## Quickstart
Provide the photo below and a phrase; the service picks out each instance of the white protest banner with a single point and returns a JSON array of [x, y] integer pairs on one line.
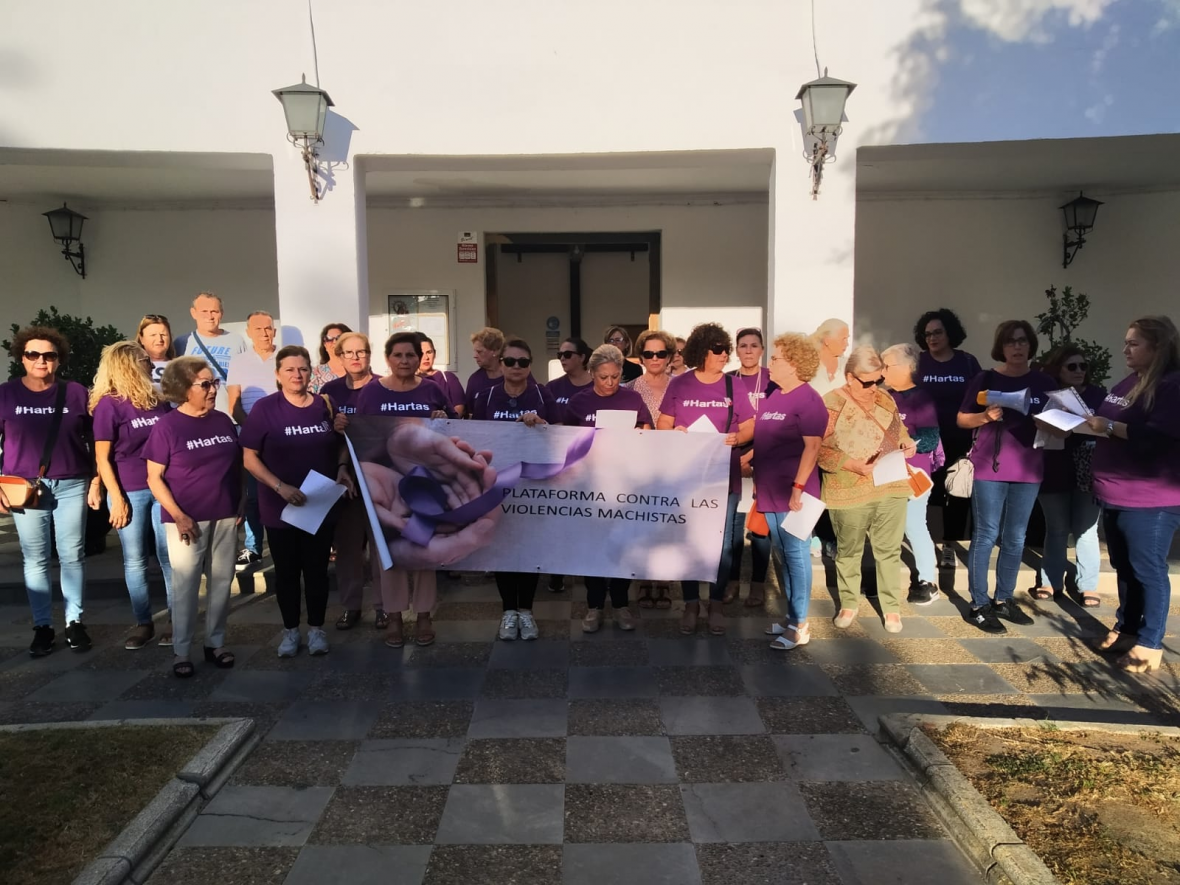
[[550, 499]]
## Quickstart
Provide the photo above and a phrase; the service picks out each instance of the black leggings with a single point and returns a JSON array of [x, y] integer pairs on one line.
[[955, 511], [297, 554], [597, 589], [517, 590]]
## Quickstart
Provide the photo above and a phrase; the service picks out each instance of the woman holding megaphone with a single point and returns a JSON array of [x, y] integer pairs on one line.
[[998, 406]]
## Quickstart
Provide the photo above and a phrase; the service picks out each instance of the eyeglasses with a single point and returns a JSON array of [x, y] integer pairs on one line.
[[566, 354], [1077, 367], [718, 349], [867, 384], [934, 333], [655, 354], [34, 355], [513, 361], [1016, 342], [355, 354], [328, 339], [207, 385], [616, 340]]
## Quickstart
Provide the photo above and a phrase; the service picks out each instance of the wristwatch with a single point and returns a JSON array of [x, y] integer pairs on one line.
[[1109, 429], [278, 485]]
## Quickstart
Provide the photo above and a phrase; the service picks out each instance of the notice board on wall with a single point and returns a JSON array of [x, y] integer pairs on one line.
[[428, 311]]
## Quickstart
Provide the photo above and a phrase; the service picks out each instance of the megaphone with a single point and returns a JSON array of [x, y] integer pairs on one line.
[[1017, 401]]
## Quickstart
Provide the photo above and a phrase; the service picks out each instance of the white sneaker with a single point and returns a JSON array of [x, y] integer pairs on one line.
[[528, 626], [317, 641], [509, 625], [289, 647]]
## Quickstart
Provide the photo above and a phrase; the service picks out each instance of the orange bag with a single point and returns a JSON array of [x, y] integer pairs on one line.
[[756, 523], [920, 481]]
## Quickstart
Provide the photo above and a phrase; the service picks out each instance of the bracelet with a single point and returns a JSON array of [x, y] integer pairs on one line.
[[800, 486], [278, 485]]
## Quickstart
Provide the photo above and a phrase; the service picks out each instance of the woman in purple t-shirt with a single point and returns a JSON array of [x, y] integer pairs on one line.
[[1008, 471], [126, 406], [706, 391], [944, 372], [1137, 481], [287, 435], [448, 381], [28, 408], [194, 469], [1066, 498]]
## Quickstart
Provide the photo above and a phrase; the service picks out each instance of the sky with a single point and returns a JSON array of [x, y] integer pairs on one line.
[[1014, 69]]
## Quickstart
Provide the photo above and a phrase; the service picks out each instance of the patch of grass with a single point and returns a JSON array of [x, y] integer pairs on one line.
[[66, 793]]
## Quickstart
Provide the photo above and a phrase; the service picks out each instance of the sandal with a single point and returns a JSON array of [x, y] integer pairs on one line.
[[1116, 643], [423, 632], [348, 620], [716, 618], [644, 600], [1040, 592], [395, 634], [1091, 600], [688, 621], [757, 596], [382, 621], [733, 589], [224, 660], [183, 669], [663, 600]]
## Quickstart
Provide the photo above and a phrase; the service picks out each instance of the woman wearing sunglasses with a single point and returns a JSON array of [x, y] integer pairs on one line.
[[154, 335], [194, 469], [34, 407], [574, 354], [708, 392], [864, 425], [618, 337], [517, 398], [126, 406], [331, 366], [1065, 496], [678, 367]]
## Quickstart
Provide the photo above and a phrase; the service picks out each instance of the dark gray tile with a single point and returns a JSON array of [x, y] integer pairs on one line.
[[612, 682], [710, 716], [890, 680], [373, 688], [521, 814], [441, 684], [911, 627], [748, 812], [608, 653], [242, 866], [712, 759], [901, 862], [614, 717], [468, 611], [144, 710], [423, 719], [783, 680], [19, 712], [619, 760], [264, 715], [689, 652], [450, 654], [359, 865], [325, 721], [836, 757], [848, 652], [530, 655], [960, 679], [256, 816], [512, 865], [404, 762], [1006, 650], [494, 718], [869, 810], [758, 651], [636, 864], [262, 686], [769, 863], [870, 709], [150, 657], [699, 681], [512, 761], [381, 816], [808, 715], [87, 686], [19, 682], [163, 686], [501, 683], [296, 764], [612, 814]]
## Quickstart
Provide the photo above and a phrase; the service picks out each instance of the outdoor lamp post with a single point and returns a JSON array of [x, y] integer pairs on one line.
[[823, 113], [66, 226], [1079, 214], [306, 109]]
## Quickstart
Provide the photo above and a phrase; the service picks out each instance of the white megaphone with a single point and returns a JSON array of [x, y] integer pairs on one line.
[[1017, 400]]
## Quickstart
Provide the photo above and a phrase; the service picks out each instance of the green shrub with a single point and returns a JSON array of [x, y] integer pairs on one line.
[[1066, 312], [86, 344]]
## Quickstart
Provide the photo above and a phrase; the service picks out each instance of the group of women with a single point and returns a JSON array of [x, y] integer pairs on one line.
[[171, 467]]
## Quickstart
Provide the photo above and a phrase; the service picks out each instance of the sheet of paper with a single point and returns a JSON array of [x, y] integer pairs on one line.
[[801, 523], [616, 419], [1067, 400], [702, 425], [322, 493], [1059, 420], [889, 468]]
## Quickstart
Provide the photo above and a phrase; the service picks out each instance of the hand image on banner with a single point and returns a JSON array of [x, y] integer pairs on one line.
[[565, 500]]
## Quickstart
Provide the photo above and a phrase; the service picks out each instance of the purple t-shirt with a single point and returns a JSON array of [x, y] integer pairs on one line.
[[783, 420], [202, 463], [377, 399], [494, 404], [126, 428], [754, 386], [688, 398], [291, 441], [344, 397], [25, 417], [451, 386], [1142, 471], [1017, 459], [564, 390], [920, 417], [946, 383], [1060, 474], [478, 381], [582, 409]]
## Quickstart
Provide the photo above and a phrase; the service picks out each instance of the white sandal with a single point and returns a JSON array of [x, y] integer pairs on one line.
[[775, 629], [802, 637]]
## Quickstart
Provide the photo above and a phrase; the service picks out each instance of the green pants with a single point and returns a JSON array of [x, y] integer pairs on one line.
[[883, 523]]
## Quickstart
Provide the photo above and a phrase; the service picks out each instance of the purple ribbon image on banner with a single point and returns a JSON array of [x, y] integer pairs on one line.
[[424, 495]]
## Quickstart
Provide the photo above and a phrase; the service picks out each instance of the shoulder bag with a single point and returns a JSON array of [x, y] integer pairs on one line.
[[24, 493], [213, 364]]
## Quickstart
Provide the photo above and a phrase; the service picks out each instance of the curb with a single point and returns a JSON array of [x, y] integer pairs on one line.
[[134, 854], [985, 837]]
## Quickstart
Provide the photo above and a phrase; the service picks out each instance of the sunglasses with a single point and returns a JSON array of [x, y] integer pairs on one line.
[[718, 349], [655, 354], [680, 352], [1017, 342], [566, 354], [513, 361], [867, 384], [328, 339], [207, 385], [155, 318], [34, 355], [616, 341], [1077, 367], [355, 354]]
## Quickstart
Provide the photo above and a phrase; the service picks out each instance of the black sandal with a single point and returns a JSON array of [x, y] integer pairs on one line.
[[382, 621], [662, 599], [644, 600], [223, 661], [348, 620], [183, 669]]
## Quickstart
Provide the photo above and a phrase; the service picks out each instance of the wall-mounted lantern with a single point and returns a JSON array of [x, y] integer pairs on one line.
[[66, 225], [823, 116], [1079, 214], [306, 109]]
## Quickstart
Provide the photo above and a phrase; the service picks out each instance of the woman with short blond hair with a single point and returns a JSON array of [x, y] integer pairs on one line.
[[486, 345]]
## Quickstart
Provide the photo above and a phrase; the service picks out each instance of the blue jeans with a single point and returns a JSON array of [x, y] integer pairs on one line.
[[692, 589], [1138, 542], [793, 567], [1001, 511], [145, 513], [917, 532], [63, 504], [1070, 513], [253, 519]]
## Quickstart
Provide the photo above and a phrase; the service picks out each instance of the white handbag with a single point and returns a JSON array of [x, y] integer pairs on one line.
[[960, 477]]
